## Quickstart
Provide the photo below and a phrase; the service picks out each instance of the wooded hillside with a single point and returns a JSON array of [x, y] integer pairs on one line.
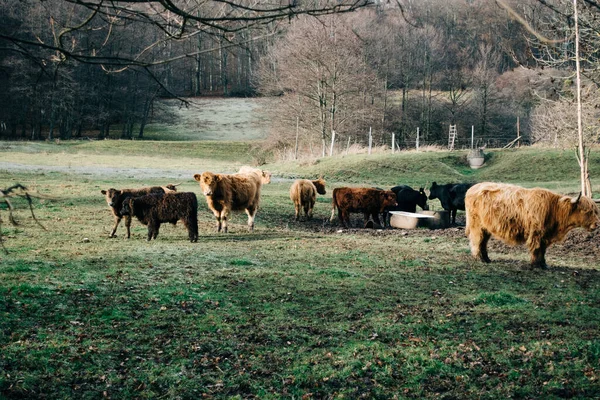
[[73, 68]]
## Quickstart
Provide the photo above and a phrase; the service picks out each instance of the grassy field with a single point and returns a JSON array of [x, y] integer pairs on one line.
[[210, 119], [295, 309]]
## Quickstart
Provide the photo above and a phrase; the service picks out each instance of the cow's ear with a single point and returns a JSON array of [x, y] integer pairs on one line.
[[197, 177], [576, 201], [103, 191]]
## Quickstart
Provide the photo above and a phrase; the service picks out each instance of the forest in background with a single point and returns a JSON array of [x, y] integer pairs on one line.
[[74, 68]]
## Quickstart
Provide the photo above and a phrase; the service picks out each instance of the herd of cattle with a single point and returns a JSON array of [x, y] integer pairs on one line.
[[534, 217]]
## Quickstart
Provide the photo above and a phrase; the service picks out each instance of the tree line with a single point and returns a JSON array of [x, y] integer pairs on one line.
[[85, 68]]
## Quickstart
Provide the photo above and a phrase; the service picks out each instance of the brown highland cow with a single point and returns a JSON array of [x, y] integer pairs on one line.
[[535, 217], [303, 194]]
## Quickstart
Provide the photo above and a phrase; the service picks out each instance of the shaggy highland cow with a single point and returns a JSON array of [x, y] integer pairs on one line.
[[303, 194], [154, 209], [263, 175], [227, 192], [116, 197], [535, 217]]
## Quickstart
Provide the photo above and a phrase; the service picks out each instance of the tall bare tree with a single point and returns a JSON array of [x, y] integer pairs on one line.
[[319, 70], [568, 39]]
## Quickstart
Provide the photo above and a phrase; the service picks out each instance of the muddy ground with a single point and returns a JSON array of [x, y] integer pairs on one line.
[[578, 242]]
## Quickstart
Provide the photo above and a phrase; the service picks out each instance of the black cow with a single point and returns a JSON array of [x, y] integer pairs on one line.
[[408, 199], [154, 209], [451, 195]]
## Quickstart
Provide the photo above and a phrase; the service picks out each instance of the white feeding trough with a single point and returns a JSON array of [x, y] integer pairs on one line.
[[423, 219]]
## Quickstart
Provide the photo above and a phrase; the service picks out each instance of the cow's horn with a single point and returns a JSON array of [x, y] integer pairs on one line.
[[575, 201]]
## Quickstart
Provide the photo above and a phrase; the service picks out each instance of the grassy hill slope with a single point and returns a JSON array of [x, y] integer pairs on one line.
[[550, 168], [531, 166]]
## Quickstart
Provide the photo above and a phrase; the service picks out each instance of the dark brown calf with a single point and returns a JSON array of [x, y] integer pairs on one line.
[[116, 197], [154, 209], [366, 200]]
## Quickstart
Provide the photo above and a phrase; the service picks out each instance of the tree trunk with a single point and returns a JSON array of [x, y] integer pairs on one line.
[[586, 186], [147, 107]]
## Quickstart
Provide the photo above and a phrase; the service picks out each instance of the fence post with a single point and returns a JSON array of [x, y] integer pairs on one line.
[[417, 139], [296, 148], [370, 140], [393, 142], [472, 135], [348, 145], [332, 141]]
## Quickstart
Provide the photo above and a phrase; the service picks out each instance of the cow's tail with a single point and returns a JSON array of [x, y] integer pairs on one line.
[[334, 205]]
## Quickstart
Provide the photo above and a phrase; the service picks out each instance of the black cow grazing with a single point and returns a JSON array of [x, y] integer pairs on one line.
[[408, 199], [451, 195], [116, 197], [154, 209]]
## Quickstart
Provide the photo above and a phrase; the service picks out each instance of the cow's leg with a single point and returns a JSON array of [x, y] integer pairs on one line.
[[114, 229], [366, 218], [151, 228], [344, 217], [333, 214], [483, 246], [156, 228], [251, 211], [191, 224], [224, 218], [453, 215], [479, 239], [217, 215], [375, 216], [308, 210], [128, 225], [537, 249], [297, 211]]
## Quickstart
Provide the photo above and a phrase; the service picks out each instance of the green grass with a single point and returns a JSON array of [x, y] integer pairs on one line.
[[293, 309], [233, 119]]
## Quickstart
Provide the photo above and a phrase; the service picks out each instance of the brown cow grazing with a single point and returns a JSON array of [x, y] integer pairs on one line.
[[116, 197], [225, 192], [303, 194], [154, 209], [535, 217], [265, 176], [366, 200]]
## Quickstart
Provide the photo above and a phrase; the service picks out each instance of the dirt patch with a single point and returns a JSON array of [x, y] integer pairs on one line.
[[579, 242]]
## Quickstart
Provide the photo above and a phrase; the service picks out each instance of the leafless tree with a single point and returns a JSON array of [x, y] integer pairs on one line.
[[568, 38], [319, 70], [16, 190]]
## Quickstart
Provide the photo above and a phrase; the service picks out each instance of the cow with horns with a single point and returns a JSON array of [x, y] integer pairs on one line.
[[534, 217]]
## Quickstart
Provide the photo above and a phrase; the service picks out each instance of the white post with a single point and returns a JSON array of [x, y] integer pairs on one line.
[[417, 139], [348, 145], [393, 142], [370, 140], [297, 129], [332, 141], [472, 135]]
